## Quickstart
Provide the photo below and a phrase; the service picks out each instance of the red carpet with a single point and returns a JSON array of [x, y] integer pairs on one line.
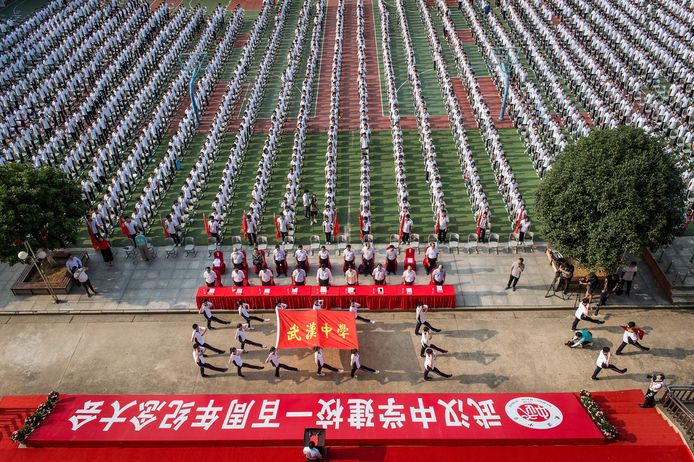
[[644, 436]]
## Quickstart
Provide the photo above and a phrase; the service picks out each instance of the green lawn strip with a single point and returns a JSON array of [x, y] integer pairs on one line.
[[279, 63], [300, 73], [418, 188], [275, 194], [381, 71], [479, 67], [384, 199], [454, 188], [487, 176], [397, 52], [348, 177], [458, 18], [431, 90], [524, 171], [313, 179]]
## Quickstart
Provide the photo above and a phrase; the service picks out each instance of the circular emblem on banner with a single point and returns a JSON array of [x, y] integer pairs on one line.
[[534, 413]]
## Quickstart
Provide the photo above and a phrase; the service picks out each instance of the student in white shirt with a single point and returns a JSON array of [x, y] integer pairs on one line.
[[379, 275], [425, 340], [442, 222], [357, 365], [421, 321], [391, 259], [354, 308], [348, 254], [273, 358], [240, 335], [523, 230], [603, 362], [630, 337], [202, 363], [320, 362], [367, 257], [198, 339], [430, 365], [280, 256], [406, 229], [324, 277], [206, 311], [243, 312], [432, 254], [236, 360], [280, 306], [328, 231], [581, 314], [409, 276], [299, 277]]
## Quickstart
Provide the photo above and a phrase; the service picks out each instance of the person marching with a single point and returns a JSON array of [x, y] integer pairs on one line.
[[421, 321], [320, 362], [631, 336], [354, 308], [426, 342], [206, 311], [430, 365], [199, 359], [657, 382], [357, 365], [581, 314], [198, 339], [379, 275], [273, 358], [391, 259], [603, 362], [243, 312], [236, 360], [240, 335]]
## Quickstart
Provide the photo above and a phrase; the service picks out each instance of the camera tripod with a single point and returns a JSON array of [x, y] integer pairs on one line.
[[552, 290]]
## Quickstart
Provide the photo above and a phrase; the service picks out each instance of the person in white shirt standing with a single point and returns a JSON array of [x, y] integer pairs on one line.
[[210, 277], [273, 358], [243, 312], [236, 360], [324, 277], [357, 365], [438, 276], [298, 277], [320, 362], [206, 311], [430, 365], [409, 276], [367, 258], [199, 359], [349, 257], [379, 275], [442, 222], [432, 255], [516, 270], [306, 199], [603, 362], [280, 257], [406, 229]]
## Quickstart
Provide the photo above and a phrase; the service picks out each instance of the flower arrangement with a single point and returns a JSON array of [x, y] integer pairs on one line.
[[34, 420], [599, 417]]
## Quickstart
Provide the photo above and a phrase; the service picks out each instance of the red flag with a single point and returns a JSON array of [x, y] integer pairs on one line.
[[436, 227], [520, 218], [278, 235], [402, 223], [166, 231], [123, 228], [479, 220], [336, 227], [361, 227], [333, 329], [92, 237], [207, 226], [244, 226]]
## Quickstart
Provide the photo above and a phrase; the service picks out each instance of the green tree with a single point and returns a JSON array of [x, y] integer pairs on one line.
[[41, 203], [612, 192]]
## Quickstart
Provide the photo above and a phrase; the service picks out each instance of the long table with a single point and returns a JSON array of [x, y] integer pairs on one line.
[[372, 297]]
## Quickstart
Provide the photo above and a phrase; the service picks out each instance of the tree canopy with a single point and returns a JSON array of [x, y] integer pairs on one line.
[[42, 203], [612, 192]]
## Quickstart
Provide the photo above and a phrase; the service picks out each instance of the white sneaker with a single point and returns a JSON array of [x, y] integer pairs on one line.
[[377, 372], [321, 375], [265, 319], [373, 322], [340, 370]]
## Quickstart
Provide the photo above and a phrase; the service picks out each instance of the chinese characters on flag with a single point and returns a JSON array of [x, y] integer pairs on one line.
[[306, 329], [113, 420]]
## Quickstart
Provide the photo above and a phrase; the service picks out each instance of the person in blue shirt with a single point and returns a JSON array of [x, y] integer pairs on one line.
[[582, 339]]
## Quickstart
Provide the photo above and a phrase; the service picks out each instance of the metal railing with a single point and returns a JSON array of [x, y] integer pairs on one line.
[[679, 401]]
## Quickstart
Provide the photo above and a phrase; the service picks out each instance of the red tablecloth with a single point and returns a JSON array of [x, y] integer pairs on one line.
[[372, 297]]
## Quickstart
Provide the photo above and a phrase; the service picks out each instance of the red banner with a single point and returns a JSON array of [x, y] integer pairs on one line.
[[350, 419], [307, 329]]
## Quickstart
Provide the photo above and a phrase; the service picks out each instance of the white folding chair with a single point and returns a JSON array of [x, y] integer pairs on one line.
[[529, 241], [315, 243], [170, 249], [262, 242], [454, 243], [493, 243], [395, 240], [236, 242], [512, 242], [414, 242], [211, 246], [289, 245], [189, 246], [341, 243], [472, 243]]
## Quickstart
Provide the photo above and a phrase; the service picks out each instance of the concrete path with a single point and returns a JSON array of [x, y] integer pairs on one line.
[[489, 351], [170, 284]]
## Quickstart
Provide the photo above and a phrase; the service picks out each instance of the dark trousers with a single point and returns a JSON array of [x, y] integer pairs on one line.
[[250, 342], [627, 289], [512, 281], [255, 318], [433, 347], [362, 367], [563, 284], [442, 235], [328, 237], [435, 370], [521, 236], [406, 238], [210, 367], [326, 366], [215, 236], [283, 236], [612, 367], [584, 318], [281, 267], [249, 366], [210, 347], [363, 319], [635, 343], [431, 266], [380, 283], [425, 323], [176, 238], [324, 282], [252, 240], [283, 366], [88, 286], [216, 319], [391, 266], [302, 265], [307, 211], [348, 264], [649, 399]]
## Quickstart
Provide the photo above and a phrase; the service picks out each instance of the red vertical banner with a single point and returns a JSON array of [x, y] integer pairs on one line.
[[361, 227], [402, 223], [166, 231], [244, 226], [277, 227], [336, 227], [310, 328], [207, 225], [436, 226], [123, 228]]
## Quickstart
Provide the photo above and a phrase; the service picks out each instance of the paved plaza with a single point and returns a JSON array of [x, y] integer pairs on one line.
[[489, 352], [170, 284]]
